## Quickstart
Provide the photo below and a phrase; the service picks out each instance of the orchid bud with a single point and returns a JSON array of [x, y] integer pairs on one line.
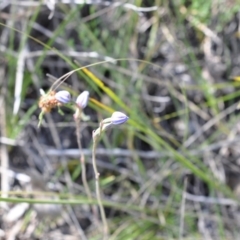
[[63, 97], [82, 99], [118, 118]]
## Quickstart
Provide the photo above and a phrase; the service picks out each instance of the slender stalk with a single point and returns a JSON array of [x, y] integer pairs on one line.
[[82, 159], [83, 166], [99, 199]]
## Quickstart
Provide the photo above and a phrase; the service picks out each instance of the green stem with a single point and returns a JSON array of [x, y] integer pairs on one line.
[[40, 118]]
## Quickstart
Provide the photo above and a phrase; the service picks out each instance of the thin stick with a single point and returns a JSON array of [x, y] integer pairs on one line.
[[63, 78], [181, 227], [102, 212], [4, 151]]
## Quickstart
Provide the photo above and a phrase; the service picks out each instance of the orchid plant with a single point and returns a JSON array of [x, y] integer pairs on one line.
[[57, 99]]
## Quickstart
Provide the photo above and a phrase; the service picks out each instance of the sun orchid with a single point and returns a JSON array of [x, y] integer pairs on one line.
[[82, 99], [63, 97]]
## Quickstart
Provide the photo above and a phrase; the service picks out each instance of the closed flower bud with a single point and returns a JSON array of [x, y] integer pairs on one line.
[[82, 99], [118, 118], [63, 97]]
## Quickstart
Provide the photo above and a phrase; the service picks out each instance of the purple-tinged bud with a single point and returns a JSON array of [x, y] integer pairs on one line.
[[63, 97], [82, 99], [118, 118]]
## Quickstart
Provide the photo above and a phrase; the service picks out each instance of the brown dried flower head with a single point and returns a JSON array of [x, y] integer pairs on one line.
[[48, 101]]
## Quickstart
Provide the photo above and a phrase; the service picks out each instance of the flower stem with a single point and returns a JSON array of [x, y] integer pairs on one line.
[[99, 199], [82, 160], [83, 165]]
